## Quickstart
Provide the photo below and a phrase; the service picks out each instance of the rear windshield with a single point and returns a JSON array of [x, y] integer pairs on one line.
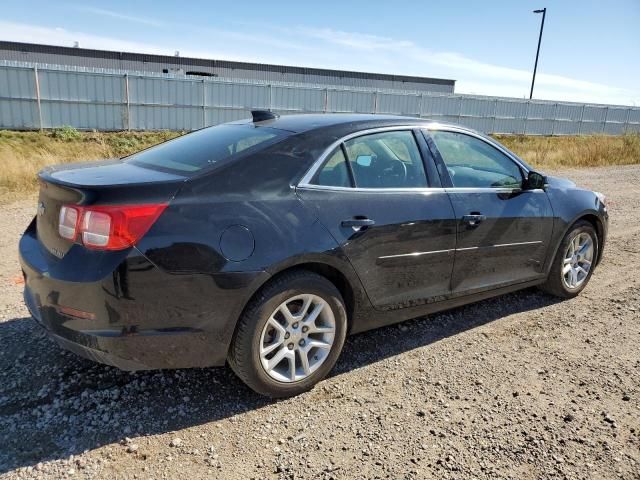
[[207, 147]]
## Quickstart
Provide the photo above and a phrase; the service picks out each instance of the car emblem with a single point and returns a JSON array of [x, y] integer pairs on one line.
[[41, 208]]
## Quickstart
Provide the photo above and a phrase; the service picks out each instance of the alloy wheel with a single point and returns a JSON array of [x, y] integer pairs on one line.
[[578, 259], [297, 338]]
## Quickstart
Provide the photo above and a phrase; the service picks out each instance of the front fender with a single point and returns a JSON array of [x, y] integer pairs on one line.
[[570, 205]]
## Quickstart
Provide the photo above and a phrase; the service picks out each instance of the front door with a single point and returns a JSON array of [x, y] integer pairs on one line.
[[503, 230], [372, 195]]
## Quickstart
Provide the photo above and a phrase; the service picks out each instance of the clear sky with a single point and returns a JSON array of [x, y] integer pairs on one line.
[[590, 49]]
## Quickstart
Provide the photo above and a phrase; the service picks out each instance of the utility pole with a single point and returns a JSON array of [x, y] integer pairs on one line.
[[535, 68]]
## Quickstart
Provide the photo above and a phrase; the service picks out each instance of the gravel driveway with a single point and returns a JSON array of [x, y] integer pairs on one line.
[[522, 386]]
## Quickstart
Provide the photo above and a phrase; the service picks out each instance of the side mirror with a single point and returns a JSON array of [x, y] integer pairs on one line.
[[535, 181]]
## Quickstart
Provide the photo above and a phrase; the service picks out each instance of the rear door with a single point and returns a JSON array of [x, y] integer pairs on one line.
[[374, 193], [504, 231]]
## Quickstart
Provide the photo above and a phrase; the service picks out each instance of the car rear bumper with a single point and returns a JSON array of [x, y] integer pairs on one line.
[[138, 317]]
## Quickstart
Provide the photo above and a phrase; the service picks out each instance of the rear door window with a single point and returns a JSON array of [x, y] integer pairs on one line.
[[386, 160], [207, 147]]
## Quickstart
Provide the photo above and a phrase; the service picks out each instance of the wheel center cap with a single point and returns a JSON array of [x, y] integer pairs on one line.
[[295, 335]]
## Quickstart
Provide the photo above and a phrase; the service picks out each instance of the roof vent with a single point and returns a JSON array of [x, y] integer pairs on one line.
[[262, 115]]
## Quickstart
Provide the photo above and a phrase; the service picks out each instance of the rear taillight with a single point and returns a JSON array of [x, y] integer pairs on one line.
[[68, 222], [112, 227]]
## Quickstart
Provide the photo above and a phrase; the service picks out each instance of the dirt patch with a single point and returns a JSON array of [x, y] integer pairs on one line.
[[522, 386]]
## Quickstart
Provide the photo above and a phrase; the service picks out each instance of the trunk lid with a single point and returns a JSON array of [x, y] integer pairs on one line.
[[108, 182]]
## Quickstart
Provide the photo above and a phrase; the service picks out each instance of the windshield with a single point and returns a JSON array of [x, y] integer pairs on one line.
[[204, 148]]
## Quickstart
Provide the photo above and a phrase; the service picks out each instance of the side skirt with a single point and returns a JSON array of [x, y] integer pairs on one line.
[[371, 318]]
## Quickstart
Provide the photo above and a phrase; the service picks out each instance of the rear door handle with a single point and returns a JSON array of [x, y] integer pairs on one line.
[[474, 219], [358, 222]]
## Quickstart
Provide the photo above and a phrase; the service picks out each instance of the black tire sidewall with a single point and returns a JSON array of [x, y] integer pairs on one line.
[[255, 375]]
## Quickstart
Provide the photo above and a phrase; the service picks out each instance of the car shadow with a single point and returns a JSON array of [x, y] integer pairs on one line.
[[54, 404]]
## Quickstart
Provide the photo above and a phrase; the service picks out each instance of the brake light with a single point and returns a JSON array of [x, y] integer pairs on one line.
[[113, 227]]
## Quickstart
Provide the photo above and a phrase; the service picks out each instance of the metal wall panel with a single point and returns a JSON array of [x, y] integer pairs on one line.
[[478, 107], [246, 96], [538, 127], [614, 128], [594, 113], [477, 123], [634, 115], [445, 118], [617, 114], [566, 127], [114, 100], [61, 85], [441, 105], [591, 127], [159, 91], [216, 116], [165, 118], [398, 104], [297, 99], [568, 112], [17, 83], [540, 110], [19, 114], [509, 125], [511, 109], [350, 101], [82, 115]]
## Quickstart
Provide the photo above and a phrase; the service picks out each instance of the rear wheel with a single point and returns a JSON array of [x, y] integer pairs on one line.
[[290, 335], [574, 262]]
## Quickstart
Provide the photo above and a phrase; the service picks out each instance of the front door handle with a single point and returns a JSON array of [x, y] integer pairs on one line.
[[358, 223], [474, 219]]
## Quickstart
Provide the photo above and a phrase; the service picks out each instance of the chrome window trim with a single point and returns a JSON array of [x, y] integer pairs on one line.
[[304, 183], [410, 190], [311, 186]]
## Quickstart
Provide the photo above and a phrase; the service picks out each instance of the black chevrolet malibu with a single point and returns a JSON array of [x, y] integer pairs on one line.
[[263, 243]]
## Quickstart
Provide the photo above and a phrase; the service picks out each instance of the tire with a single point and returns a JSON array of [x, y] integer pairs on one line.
[[556, 283], [256, 333]]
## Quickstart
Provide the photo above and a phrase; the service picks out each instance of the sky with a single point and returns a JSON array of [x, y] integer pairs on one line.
[[590, 49]]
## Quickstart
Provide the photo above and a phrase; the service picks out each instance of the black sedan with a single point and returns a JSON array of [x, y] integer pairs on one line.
[[263, 243]]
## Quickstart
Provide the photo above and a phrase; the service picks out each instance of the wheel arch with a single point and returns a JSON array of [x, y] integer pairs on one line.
[[598, 225], [335, 269], [591, 217], [344, 281]]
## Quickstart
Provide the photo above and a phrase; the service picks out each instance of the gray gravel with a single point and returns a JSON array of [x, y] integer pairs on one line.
[[522, 386]]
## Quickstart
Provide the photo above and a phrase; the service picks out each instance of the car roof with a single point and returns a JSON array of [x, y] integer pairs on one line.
[[299, 123], [336, 125]]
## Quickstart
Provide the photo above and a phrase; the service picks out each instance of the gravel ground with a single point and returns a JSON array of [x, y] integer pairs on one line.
[[522, 386]]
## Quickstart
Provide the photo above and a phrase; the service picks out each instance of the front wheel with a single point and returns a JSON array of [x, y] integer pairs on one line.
[[290, 335], [574, 262]]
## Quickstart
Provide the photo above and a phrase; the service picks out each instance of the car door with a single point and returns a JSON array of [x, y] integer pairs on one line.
[[504, 230], [372, 192]]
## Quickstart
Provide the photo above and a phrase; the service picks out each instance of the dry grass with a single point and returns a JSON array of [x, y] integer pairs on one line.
[[575, 151], [23, 154]]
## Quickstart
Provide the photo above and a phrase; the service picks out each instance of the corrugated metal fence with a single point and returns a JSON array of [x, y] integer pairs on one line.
[[34, 97]]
